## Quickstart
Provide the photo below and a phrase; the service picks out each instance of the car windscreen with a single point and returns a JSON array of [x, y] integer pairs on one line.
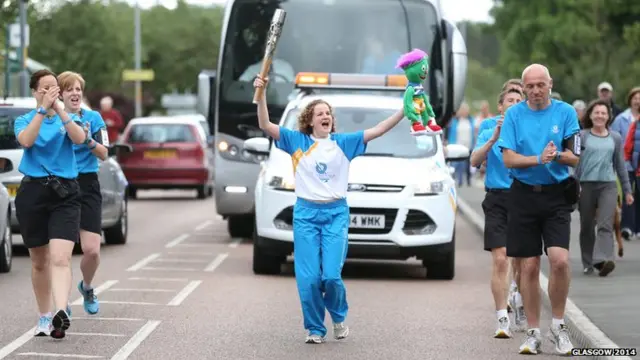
[[398, 142], [8, 117], [160, 133]]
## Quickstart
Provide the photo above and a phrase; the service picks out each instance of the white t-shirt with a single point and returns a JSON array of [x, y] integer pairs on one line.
[[465, 132], [321, 166]]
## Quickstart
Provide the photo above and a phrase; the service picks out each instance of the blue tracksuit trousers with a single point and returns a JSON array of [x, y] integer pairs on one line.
[[319, 250]]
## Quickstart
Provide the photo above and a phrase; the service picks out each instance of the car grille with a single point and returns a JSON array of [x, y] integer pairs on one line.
[[286, 216], [374, 188]]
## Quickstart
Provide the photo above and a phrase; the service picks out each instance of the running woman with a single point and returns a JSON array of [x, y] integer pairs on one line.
[[497, 185], [321, 160], [87, 155], [47, 202]]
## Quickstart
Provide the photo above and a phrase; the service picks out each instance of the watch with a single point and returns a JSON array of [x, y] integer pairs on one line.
[[42, 110]]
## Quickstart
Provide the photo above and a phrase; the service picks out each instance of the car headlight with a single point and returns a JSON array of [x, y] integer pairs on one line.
[[281, 183], [427, 188]]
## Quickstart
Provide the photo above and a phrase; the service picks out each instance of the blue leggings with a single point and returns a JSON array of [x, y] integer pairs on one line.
[[320, 243]]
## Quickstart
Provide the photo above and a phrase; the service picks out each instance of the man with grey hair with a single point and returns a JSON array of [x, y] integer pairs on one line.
[[112, 118], [605, 92], [580, 107], [540, 141]]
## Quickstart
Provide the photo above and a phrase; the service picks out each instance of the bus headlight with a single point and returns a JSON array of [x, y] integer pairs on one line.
[[430, 188], [281, 183]]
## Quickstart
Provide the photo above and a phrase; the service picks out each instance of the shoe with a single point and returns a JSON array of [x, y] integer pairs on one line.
[[91, 304], [532, 343], [520, 319], [69, 310], [503, 331], [587, 270], [626, 234], [44, 326], [607, 268], [60, 323], [340, 331], [559, 336], [314, 339]]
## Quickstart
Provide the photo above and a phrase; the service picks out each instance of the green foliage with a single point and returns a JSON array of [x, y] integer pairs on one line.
[[96, 39]]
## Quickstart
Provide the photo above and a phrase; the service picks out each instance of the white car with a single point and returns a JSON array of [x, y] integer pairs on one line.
[[402, 196]]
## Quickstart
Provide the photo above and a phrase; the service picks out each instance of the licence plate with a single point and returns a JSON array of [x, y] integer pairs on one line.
[[12, 189], [160, 154], [367, 221]]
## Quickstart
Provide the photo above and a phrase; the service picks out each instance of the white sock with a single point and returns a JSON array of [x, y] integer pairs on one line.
[[502, 313], [47, 314], [518, 299], [86, 286], [513, 285], [557, 322], [535, 330]]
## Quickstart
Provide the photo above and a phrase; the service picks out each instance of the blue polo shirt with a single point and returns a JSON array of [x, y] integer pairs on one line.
[[52, 153], [528, 131], [497, 176], [488, 123], [87, 161]]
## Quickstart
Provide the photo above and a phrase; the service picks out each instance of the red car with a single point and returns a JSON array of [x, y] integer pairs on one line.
[[169, 152]]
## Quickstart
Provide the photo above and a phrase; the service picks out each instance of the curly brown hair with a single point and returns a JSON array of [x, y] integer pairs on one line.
[[305, 117], [586, 118]]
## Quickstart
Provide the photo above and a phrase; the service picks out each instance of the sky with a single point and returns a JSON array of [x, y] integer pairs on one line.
[[455, 10]]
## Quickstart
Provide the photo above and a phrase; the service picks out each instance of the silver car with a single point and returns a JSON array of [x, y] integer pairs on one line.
[[6, 253], [113, 183]]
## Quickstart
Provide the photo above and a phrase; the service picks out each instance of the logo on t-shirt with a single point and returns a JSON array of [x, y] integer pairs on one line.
[[321, 169], [555, 129]]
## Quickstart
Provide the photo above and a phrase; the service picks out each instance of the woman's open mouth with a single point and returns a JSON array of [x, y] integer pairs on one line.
[[75, 101], [326, 125]]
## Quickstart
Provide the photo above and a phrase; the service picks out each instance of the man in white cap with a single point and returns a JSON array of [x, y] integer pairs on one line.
[[605, 92]]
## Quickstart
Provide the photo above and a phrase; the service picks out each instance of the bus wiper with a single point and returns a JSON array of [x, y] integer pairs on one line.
[[378, 154]]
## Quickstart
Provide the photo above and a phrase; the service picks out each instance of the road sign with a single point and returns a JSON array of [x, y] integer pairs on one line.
[[138, 75], [14, 35]]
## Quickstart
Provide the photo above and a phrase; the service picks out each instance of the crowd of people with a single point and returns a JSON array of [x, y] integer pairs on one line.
[[555, 158]]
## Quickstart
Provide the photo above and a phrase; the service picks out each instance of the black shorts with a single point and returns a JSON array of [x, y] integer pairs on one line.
[[43, 215], [495, 218], [539, 217], [91, 203]]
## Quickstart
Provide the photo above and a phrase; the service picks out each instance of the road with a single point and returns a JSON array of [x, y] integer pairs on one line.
[[182, 289]]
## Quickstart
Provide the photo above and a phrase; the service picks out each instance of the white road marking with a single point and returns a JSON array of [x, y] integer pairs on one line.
[[144, 290], [182, 295], [127, 303], [191, 253], [157, 279], [596, 337], [95, 334], [104, 287], [176, 241], [181, 261], [168, 269], [136, 340], [15, 344], [213, 265], [105, 318], [235, 243], [192, 245], [204, 225], [72, 356], [144, 262]]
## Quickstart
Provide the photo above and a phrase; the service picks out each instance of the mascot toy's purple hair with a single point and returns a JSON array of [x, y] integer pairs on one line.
[[417, 108]]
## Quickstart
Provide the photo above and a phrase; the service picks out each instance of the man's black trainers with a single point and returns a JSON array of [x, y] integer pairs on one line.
[[60, 323]]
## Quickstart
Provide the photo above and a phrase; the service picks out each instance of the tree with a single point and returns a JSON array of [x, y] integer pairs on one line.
[[582, 42]]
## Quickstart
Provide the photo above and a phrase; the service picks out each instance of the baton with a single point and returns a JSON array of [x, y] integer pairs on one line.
[[272, 41]]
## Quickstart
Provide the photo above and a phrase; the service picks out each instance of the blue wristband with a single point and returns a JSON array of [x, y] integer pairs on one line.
[[538, 159], [94, 145]]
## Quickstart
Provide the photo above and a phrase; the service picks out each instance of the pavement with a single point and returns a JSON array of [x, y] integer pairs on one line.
[[182, 289], [603, 311]]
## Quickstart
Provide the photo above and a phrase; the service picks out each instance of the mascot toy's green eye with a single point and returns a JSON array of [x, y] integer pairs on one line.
[[417, 108]]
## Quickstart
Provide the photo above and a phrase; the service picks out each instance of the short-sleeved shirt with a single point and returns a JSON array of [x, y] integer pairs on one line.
[[527, 132], [497, 176], [488, 123], [87, 161], [52, 153], [321, 166]]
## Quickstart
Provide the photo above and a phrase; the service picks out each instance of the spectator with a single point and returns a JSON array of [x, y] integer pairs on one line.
[[484, 113], [461, 130], [622, 124], [112, 117], [580, 106], [605, 92], [600, 163]]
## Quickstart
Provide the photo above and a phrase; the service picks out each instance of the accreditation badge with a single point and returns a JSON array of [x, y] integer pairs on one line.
[[105, 137]]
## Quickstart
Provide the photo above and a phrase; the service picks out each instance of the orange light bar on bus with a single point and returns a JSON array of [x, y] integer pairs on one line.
[[351, 81]]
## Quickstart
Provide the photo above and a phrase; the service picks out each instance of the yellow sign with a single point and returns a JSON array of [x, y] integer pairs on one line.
[[12, 190], [138, 75]]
